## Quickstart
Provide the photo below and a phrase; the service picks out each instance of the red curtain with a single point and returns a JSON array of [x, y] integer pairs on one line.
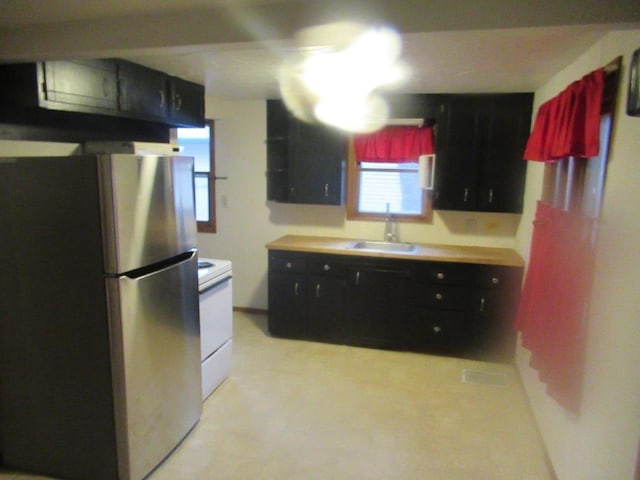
[[395, 144], [568, 125], [554, 298]]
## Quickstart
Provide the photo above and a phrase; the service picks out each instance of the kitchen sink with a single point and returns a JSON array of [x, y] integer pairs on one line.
[[383, 246]]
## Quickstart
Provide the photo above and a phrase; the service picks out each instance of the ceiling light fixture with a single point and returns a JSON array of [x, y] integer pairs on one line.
[[336, 73]]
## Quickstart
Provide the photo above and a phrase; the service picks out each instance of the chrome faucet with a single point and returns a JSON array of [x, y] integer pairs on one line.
[[390, 233]]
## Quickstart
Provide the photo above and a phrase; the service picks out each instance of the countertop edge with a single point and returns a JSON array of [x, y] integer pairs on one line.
[[427, 252]]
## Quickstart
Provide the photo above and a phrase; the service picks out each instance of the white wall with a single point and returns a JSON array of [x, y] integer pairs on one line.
[[248, 221], [601, 442]]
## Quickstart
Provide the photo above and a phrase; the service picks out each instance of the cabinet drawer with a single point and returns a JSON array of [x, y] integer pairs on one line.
[[497, 276], [287, 262], [438, 328], [326, 265], [448, 297], [443, 273]]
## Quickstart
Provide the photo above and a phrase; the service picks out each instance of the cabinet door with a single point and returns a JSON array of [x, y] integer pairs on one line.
[[316, 169], [81, 85], [494, 303], [376, 305], [287, 304], [187, 103], [457, 155], [144, 92], [326, 307], [501, 182], [277, 151]]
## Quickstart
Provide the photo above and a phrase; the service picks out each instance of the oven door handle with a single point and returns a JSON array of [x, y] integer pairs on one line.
[[215, 284]]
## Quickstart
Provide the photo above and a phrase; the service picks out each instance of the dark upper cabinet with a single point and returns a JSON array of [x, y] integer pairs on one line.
[[186, 107], [316, 171], [481, 140], [305, 162], [88, 86], [144, 92], [111, 87], [153, 95]]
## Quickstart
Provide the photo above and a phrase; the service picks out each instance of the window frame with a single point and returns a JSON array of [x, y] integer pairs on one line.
[[211, 225], [353, 193]]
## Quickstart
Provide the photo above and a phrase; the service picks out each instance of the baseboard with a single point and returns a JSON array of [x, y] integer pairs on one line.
[[547, 457], [250, 310]]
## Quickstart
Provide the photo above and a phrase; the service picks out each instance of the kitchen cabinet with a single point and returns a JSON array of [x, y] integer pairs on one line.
[[326, 288], [440, 296], [306, 296], [111, 87], [88, 86], [463, 309], [494, 303], [481, 140], [149, 94], [305, 162], [144, 92], [186, 107]]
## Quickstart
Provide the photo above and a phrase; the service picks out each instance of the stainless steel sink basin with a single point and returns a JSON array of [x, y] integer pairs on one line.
[[383, 246]]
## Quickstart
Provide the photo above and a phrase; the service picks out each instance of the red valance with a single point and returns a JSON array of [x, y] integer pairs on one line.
[[553, 303], [568, 125], [395, 144]]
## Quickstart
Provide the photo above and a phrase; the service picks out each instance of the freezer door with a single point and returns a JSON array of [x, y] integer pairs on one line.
[[155, 341], [148, 209]]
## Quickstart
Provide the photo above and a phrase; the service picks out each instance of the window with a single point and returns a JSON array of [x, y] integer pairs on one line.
[[373, 185], [577, 184], [199, 144]]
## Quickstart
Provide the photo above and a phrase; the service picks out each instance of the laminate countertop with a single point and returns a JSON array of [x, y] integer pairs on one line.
[[422, 251]]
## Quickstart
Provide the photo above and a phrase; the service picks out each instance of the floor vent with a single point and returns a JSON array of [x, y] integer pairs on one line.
[[484, 378]]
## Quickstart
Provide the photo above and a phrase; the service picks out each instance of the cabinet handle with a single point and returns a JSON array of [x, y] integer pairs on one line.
[[326, 190], [482, 304], [436, 329], [326, 268], [317, 290], [438, 296], [495, 280], [440, 276], [466, 194], [357, 278], [178, 100], [288, 265], [296, 289], [162, 98], [491, 195]]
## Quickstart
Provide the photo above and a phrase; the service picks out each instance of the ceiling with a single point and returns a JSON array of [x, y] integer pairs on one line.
[[234, 47]]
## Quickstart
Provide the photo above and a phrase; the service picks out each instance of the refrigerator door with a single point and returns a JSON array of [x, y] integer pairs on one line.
[[155, 341], [148, 209]]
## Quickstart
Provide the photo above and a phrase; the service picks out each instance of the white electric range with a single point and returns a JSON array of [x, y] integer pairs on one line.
[[216, 321]]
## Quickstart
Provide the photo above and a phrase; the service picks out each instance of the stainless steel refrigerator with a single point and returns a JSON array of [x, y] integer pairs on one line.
[[99, 328]]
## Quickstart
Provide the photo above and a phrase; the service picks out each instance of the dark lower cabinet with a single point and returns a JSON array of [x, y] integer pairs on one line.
[[326, 306], [288, 304], [441, 307]]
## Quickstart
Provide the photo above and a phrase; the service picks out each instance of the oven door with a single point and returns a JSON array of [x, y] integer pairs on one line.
[[216, 312]]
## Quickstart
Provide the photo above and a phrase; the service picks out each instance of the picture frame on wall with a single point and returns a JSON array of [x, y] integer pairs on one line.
[[633, 98]]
